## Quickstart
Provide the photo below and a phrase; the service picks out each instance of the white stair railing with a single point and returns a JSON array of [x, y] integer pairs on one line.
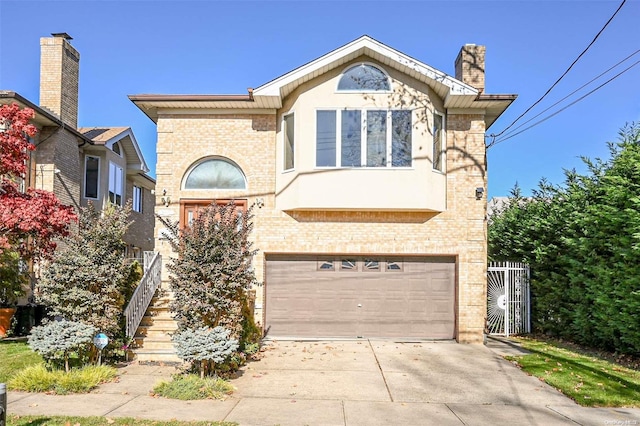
[[141, 298]]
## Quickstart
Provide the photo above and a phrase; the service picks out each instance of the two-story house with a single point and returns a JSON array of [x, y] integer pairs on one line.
[[83, 165], [367, 172]]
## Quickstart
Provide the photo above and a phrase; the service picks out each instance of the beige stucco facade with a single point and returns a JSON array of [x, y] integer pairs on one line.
[[410, 211]]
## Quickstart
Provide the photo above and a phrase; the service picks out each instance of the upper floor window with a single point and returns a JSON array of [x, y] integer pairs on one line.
[[116, 148], [215, 173], [289, 142], [438, 140], [91, 177], [137, 199], [363, 138], [116, 180], [364, 77]]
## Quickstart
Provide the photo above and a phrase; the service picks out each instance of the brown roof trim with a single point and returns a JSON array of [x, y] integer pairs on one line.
[[190, 98], [503, 97], [8, 94]]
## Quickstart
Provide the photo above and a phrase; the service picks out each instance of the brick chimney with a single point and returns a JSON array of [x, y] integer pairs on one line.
[[470, 65], [59, 71]]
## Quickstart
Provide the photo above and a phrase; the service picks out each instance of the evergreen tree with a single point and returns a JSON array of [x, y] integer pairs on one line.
[[86, 279]]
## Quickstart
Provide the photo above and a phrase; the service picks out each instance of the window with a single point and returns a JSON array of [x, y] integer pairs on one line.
[[115, 184], [371, 265], [438, 138], [326, 265], [289, 142], [91, 177], [394, 266], [401, 138], [363, 138], [364, 77], [116, 148], [348, 265], [215, 173], [137, 199], [326, 139]]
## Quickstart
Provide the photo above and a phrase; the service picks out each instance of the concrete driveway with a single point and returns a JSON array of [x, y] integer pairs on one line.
[[347, 383], [387, 383]]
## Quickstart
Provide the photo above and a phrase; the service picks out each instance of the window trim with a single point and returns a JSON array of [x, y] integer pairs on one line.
[[84, 192], [284, 142], [116, 166], [374, 65], [137, 201], [363, 139]]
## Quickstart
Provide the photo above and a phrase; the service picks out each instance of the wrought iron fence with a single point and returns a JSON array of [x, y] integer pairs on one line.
[[508, 298]]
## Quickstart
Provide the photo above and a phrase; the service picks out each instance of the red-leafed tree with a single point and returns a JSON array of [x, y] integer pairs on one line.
[[29, 220]]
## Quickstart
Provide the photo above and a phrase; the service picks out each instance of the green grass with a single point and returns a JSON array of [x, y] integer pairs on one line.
[[188, 387], [13, 420], [15, 356], [37, 378], [587, 379]]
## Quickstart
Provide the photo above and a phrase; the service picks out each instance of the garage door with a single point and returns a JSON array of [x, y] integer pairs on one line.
[[368, 297]]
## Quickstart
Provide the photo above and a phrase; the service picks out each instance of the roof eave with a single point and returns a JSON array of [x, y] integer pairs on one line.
[[43, 116]]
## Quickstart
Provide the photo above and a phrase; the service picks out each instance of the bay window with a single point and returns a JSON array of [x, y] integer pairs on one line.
[[363, 138]]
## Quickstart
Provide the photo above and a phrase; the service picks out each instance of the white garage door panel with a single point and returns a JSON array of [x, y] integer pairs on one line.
[[414, 302]]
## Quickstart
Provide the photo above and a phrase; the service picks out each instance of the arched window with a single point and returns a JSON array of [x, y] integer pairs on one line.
[[116, 148], [215, 173], [364, 77]]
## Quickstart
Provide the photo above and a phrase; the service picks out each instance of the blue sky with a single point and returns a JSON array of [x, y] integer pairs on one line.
[[218, 47]]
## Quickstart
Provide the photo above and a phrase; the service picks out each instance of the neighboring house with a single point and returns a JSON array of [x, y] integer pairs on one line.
[[496, 205], [366, 169], [87, 164]]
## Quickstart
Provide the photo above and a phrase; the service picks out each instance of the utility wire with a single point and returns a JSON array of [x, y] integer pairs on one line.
[[568, 96], [572, 103], [494, 136]]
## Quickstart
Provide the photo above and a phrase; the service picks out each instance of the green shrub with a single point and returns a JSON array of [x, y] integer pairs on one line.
[[57, 340], [211, 270], [38, 378], [190, 387], [206, 346], [251, 333], [33, 379]]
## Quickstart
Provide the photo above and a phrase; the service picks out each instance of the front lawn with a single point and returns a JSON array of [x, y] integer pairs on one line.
[[15, 356], [587, 379]]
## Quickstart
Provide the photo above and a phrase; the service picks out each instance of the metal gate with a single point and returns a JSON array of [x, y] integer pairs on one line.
[[508, 298]]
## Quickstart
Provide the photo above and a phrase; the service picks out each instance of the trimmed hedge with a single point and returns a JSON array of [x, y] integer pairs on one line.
[[582, 240]]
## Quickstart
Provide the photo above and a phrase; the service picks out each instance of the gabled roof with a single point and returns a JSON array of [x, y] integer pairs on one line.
[[442, 83], [455, 93], [107, 136]]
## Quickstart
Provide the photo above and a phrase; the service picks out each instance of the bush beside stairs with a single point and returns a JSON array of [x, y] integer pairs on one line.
[[153, 337]]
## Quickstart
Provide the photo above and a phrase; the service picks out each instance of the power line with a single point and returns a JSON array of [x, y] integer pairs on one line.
[[572, 103], [566, 97], [494, 136]]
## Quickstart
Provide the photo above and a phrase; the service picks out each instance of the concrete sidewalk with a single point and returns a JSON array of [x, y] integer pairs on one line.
[[348, 383]]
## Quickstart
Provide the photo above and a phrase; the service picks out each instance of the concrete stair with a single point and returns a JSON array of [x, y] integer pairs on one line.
[[153, 337]]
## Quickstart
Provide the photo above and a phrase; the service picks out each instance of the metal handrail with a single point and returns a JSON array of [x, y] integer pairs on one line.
[[141, 298]]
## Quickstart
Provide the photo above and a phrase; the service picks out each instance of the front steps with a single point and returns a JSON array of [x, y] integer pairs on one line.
[[153, 337]]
